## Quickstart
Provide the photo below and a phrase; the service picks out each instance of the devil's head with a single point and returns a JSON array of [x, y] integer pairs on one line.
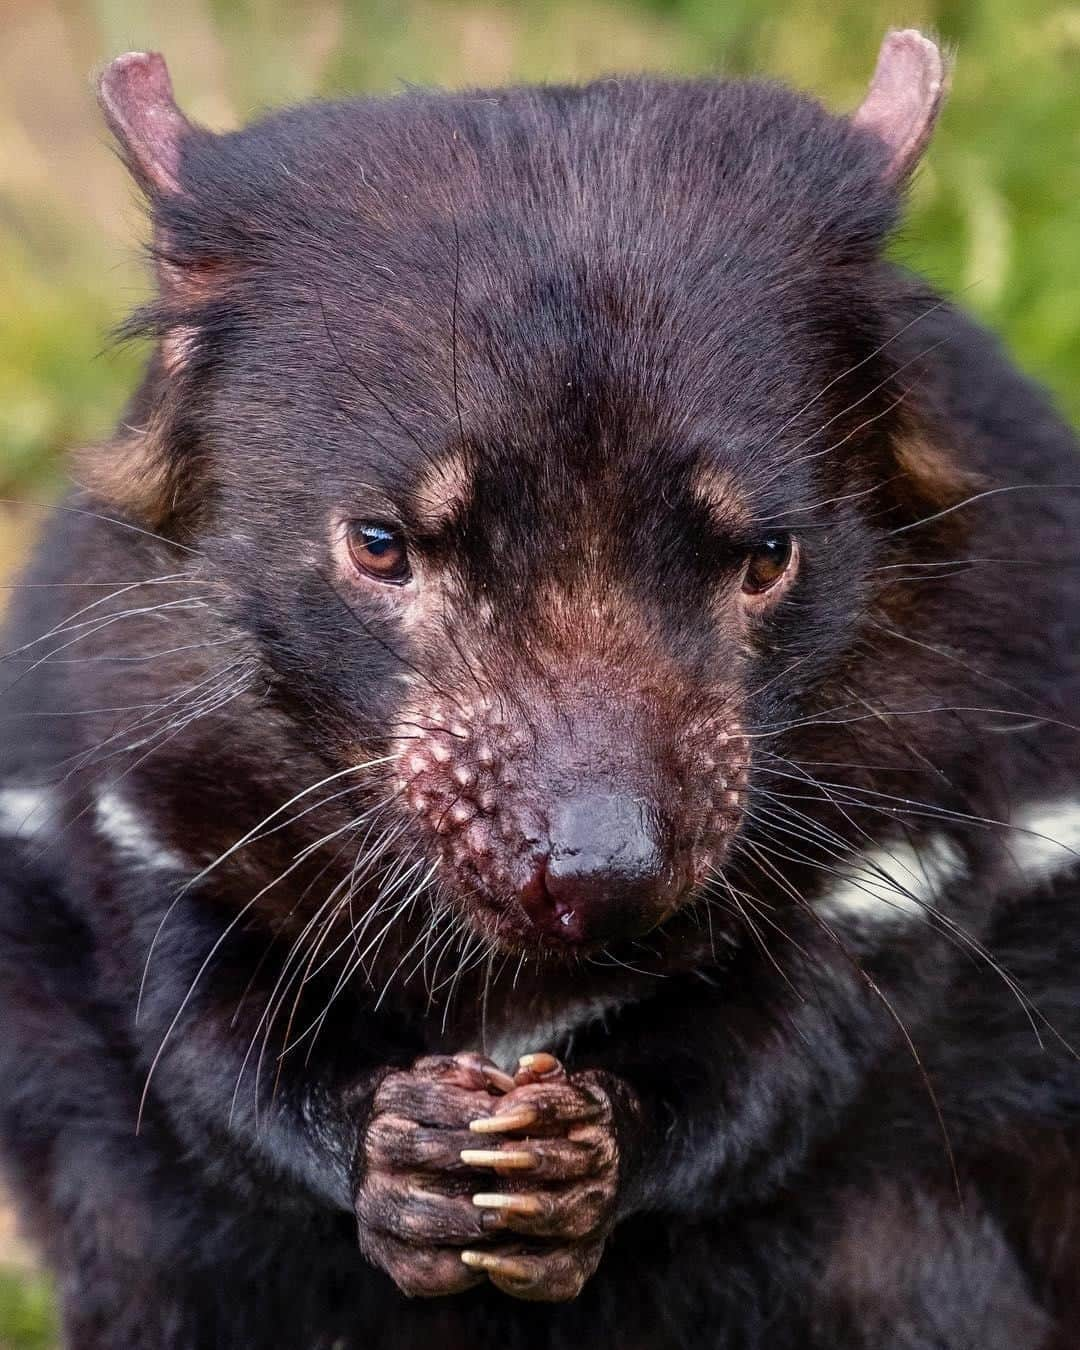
[[545, 440]]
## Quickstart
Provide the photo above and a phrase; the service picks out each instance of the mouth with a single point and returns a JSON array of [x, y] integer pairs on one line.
[[505, 923]]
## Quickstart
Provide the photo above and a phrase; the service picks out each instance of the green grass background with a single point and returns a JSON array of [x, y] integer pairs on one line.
[[995, 212]]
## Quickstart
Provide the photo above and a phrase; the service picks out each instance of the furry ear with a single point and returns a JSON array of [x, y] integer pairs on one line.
[[141, 472], [904, 99], [930, 482], [932, 473], [136, 96], [134, 473]]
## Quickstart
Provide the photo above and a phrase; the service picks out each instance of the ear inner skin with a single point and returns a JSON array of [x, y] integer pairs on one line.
[[137, 98], [904, 99], [541, 764]]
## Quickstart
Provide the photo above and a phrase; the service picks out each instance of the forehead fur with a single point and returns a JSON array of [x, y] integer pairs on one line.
[[575, 280], [632, 189], [717, 489], [686, 148]]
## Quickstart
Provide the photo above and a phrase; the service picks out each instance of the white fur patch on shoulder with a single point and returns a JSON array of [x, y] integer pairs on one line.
[[892, 886], [127, 831], [26, 812], [1046, 839]]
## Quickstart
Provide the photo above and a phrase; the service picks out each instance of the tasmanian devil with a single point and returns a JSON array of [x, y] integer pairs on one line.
[[539, 763]]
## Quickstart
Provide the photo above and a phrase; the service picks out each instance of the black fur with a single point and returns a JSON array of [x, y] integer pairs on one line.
[[593, 295]]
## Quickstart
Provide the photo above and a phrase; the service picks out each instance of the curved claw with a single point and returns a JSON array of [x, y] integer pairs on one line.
[[495, 1078], [508, 1160], [519, 1119], [506, 1266], [511, 1204], [554, 1275]]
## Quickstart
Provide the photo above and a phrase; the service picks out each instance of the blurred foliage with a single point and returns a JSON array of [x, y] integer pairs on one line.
[[995, 211], [994, 219], [26, 1316]]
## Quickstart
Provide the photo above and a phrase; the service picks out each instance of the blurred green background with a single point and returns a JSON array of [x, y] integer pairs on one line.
[[995, 211]]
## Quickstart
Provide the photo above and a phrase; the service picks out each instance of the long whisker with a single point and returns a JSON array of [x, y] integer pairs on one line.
[[875, 988]]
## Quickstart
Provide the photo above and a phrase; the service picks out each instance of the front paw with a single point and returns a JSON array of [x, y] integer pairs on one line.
[[552, 1146], [412, 1192]]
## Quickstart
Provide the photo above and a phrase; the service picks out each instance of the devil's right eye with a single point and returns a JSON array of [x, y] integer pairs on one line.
[[768, 563], [379, 552]]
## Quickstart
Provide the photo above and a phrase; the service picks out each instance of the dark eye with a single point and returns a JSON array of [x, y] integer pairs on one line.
[[768, 562], [379, 551]]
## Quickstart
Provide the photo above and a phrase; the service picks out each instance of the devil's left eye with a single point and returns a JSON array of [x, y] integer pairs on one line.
[[768, 562], [379, 551]]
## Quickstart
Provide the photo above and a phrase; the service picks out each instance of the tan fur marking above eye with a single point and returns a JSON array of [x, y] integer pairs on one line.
[[715, 489], [442, 491]]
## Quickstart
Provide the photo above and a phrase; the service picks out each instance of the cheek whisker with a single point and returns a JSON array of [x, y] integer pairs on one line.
[[187, 699], [818, 720], [357, 964], [99, 626], [155, 744], [117, 587], [858, 365], [875, 989], [468, 964], [982, 496], [418, 942], [288, 1043], [52, 507], [911, 807], [740, 905], [456, 929], [274, 999], [321, 924], [432, 922], [605, 957], [137, 660], [68, 625], [230, 852], [329, 865]]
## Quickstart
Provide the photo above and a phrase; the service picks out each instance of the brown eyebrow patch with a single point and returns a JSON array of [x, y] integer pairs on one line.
[[715, 489], [442, 492]]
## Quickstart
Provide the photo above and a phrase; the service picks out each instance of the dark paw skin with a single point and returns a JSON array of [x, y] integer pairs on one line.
[[412, 1192], [469, 1175], [563, 1204]]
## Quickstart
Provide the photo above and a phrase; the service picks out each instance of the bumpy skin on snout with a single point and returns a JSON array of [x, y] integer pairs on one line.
[[538, 781], [569, 821]]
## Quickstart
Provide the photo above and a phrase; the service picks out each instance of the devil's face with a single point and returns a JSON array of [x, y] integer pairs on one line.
[[555, 504]]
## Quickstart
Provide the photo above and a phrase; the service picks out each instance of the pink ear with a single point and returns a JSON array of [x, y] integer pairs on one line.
[[137, 98], [905, 95]]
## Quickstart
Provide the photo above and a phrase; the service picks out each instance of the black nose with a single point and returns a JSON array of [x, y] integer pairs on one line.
[[604, 875]]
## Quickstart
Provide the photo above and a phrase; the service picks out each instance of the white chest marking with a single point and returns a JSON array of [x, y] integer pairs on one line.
[[128, 832], [892, 886], [25, 812], [1046, 840]]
